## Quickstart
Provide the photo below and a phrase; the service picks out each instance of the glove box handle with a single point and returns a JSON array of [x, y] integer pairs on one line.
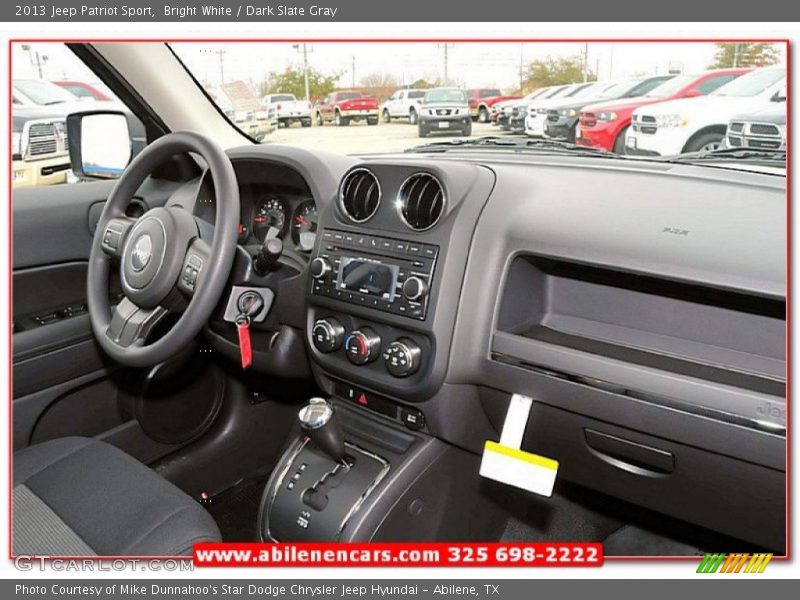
[[630, 456]]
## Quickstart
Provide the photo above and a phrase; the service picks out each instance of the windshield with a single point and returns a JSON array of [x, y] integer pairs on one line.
[[43, 92], [425, 92], [671, 86], [445, 96], [751, 84]]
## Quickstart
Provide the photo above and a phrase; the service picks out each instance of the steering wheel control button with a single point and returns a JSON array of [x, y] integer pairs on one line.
[[402, 357], [327, 335], [415, 288], [413, 419], [191, 271], [362, 346], [319, 268]]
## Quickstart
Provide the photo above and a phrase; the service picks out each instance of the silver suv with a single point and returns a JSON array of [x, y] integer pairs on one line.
[[444, 110]]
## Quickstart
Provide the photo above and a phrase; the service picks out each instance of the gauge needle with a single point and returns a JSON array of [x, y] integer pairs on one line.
[[301, 220], [260, 219]]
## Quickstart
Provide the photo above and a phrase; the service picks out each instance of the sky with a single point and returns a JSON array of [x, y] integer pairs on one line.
[[469, 64]]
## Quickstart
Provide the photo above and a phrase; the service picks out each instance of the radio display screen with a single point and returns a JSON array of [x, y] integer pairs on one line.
[[367, 277]]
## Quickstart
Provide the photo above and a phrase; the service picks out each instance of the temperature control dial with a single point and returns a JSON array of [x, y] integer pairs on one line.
[[362, 346], [327, 335], [402, 357]]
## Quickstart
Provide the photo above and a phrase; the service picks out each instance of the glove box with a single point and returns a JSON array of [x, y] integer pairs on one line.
[[727, 495]]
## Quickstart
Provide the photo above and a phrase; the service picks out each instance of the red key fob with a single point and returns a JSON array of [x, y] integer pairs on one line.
[[243, 327]]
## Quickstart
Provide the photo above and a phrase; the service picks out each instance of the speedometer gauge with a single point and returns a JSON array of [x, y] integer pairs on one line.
[[304, 226], [269, 220]]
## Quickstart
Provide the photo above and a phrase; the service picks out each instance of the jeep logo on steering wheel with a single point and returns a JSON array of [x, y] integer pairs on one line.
[[141, 253]]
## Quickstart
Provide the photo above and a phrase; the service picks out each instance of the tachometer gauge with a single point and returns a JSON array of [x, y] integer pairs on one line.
[[269, 220], [304, 226]]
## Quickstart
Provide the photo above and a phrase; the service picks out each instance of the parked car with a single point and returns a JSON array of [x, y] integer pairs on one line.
[[39, 150], [444, 110], [536, 117], [84, 90], [481, 101], [245, 112], [37, 92], [403, 104], [604, 125], [501, 112], [693, 124], [517, 110], [343, 107], [763, 129], [562, 120], [288, 109]]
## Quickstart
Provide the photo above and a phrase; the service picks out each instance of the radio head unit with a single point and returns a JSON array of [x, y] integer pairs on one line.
[[389, 274]]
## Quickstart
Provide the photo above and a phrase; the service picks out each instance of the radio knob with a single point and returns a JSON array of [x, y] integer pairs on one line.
[[327, 335], [415, 288], [402, 357], [319, 267], [362, 346]]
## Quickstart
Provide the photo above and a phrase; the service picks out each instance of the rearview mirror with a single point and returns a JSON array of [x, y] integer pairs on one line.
[[692, 93], [99, 144]]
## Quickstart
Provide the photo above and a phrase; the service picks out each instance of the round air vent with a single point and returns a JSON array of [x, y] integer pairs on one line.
[[359, 195], [421, 201]]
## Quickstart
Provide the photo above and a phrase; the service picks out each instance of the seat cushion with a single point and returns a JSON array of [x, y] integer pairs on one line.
[[77, 496]]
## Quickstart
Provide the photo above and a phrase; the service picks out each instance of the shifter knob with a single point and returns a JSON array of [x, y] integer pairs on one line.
[[318, 422]]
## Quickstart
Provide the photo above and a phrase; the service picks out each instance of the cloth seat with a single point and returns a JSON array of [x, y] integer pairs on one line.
[[81, 497]]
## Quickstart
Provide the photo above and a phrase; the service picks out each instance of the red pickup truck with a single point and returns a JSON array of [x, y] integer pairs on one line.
[[343, 107], [482, 100]]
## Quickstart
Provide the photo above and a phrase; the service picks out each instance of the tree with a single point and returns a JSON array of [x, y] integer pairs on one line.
[[379, 80], [731, 54], [291, 81], [554, 71]]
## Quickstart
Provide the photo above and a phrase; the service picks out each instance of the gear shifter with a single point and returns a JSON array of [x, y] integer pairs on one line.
[[318, 422]]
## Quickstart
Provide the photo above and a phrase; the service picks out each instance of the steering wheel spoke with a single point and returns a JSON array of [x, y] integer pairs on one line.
[[194, 266], [114, 234], [131, 325]]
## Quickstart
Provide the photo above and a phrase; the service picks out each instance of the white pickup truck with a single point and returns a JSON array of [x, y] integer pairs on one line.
[[403, 104], [288, 109]]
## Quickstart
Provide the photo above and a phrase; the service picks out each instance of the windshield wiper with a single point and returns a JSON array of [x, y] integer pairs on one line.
[[516, 144], [750, 155], [51, 102]]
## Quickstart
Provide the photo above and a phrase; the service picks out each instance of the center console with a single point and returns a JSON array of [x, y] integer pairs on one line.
[[384, 283]]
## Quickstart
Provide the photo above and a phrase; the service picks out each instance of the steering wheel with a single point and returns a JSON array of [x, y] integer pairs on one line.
[[163, 261]]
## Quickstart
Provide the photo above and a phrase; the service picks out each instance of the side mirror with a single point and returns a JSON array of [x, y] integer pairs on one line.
[[780, 96], [692, 93], [100, 144]]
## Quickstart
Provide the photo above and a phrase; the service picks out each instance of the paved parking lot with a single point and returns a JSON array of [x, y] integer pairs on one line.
[[362, 138]]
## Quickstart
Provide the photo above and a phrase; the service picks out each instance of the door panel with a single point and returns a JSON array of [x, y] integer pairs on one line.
[[55, 356]]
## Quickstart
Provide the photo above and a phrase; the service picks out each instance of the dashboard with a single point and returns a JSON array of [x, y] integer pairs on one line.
[[432, 288], [278, 205]]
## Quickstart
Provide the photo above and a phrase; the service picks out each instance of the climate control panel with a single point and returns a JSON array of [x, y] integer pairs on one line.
[[401, 356]]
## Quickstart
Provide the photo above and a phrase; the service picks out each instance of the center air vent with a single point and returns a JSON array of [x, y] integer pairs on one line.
[[360, 195], [421, 200]]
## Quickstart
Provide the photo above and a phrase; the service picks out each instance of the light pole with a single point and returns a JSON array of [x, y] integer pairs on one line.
[[446, 48], [36, 59], [221, 54], [305, 52]]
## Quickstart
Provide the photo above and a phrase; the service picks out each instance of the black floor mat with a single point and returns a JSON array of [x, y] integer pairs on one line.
[[236, 510]]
